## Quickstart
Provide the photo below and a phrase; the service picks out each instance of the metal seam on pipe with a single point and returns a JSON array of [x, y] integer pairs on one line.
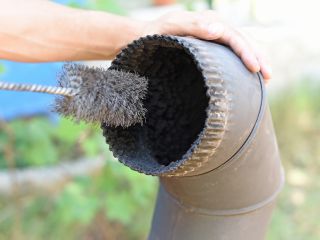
[[251, 135], [231, 212], [227, 189]]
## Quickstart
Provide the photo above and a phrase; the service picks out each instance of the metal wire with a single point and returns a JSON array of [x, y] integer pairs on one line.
[[37, 88]]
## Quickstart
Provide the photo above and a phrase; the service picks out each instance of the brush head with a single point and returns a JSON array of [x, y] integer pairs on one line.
[[102, 96]]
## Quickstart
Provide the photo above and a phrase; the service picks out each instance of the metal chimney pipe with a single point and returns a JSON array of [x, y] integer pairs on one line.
[[208, 135]]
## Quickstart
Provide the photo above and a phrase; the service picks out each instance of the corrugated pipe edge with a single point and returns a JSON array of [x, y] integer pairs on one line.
[[223, 181]]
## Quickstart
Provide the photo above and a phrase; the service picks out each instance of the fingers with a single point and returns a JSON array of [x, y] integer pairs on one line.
[[207, 25], [265, 69], [241, 47], [228, 36]]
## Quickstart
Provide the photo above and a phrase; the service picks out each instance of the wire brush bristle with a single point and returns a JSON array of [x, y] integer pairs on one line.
[[102, 96]]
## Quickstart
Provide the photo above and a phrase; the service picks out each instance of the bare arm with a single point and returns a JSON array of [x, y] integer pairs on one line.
[[42, 31], [39, 31]]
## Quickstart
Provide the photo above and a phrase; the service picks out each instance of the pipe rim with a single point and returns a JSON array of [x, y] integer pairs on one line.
[[210, 137]]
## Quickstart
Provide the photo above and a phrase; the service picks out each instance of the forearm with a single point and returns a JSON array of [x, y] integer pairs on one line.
[[39, 31]]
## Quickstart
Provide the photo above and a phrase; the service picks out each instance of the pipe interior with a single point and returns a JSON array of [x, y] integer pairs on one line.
[[176, 106]]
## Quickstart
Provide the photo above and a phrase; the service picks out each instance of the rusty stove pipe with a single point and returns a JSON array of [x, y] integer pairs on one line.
[[208, 135]]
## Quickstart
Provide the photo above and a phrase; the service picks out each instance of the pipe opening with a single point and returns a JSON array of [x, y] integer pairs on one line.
[[176, 108], [176, 104]]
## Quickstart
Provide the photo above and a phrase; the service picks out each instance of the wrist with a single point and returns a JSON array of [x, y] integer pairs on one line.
[[132, 30], [118, 32], [104, 34]]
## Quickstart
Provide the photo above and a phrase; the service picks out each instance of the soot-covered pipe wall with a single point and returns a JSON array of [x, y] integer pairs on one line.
[[208, 135]]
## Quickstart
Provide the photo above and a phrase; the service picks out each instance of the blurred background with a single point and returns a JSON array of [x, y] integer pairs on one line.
[[58, 180]]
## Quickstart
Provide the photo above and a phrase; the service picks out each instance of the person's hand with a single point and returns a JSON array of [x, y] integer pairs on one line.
[[26, 38], [207, 25]]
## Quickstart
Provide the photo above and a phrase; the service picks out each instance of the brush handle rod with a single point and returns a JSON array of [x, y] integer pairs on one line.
[[36, 88]]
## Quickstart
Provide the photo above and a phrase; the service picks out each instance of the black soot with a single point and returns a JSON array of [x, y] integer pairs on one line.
[[176, 104]]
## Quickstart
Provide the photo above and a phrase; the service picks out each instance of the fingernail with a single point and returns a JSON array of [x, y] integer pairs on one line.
[[215, 29], [267, 81], [268, 70], [254, 63]]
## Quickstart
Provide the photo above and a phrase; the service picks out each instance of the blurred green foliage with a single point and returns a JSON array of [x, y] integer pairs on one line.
[[118, 203], [106, 5], [39, 142], [2, 68], [123, 197], [296, 116], [111, 6]]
